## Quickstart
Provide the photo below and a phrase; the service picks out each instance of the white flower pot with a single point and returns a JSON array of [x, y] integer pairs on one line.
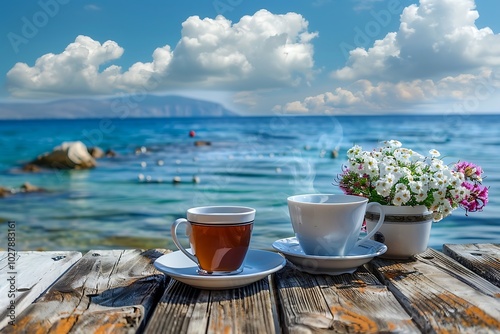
[[405, 231]]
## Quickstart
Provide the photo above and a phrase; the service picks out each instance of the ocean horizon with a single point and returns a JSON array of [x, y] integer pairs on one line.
[[130, 200]]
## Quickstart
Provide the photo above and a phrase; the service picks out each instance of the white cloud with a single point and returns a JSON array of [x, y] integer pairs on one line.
[[264, 50], [438, 56], [365, 96], [295, 107], [74, 71], [435, 38]]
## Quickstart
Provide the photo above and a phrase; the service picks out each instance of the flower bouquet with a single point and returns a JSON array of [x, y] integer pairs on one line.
[[397, 176], [415, 191]]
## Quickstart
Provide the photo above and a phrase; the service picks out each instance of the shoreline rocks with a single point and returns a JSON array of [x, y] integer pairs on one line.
[[68, 155], [26, 187], [4, 192]]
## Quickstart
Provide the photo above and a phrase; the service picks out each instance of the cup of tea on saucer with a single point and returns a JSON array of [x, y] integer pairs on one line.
[[219, 237], [328, 224]]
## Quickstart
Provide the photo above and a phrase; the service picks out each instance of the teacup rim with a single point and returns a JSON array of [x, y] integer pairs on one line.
[[356, 199], [211, 214]]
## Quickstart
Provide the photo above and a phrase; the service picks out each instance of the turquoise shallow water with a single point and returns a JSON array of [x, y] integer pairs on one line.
[[130, 201]]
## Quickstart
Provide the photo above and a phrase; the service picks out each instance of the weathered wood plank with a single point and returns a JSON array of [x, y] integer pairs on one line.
[[184, 309], [361, 304], [441, 295], [483, 259], [245, 310], [301, 303], [349, 303], [27, 275], [105, 292]]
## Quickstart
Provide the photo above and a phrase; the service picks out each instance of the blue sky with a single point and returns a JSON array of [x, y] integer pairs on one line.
[[258, 57]]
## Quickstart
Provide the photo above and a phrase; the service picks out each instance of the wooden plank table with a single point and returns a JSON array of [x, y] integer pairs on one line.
[[27, 275], [121, 292]]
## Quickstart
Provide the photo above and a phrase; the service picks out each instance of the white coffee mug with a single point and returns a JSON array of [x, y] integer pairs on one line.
[[328, 224]]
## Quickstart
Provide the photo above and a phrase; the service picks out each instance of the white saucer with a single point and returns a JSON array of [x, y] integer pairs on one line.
[[331, 265], [258, 264]]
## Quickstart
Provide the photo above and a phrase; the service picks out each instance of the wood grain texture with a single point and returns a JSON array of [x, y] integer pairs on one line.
[[483, 259], [184, 309], [441, 295], [301, 303], [348, 303], [121, 292], [104, 292], [33, 273], [361, 304]]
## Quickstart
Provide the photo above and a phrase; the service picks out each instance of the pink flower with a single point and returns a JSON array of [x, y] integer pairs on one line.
[[477, 198], [471, 171]]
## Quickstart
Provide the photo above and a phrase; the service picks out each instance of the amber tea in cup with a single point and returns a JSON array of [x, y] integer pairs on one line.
[[219, 237]]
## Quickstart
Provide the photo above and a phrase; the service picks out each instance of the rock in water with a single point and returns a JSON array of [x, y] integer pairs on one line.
[[68, 155], [29, 188], [5, 191], [96, 152], [31, 168], [110, 153], [202, 143]]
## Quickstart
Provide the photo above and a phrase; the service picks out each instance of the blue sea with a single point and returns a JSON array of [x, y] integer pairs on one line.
[[130, 201]]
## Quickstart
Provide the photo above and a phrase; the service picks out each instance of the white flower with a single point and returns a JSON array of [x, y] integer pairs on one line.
[[439, 181], [454, 179], [401, 187], [425, 179], [460, 193], [383, 188], [401, 197], [437, 165], [403, 156], [417, 157], [371, 163], [354, 151], [389, 160], [376, 154], [390, 179], [355, 167], [406, 172], [397, 172], [421, 196], [418, 187], [439, 198], [446, 208], [434, 153], [437, 216], [459, 175], [392, 144]]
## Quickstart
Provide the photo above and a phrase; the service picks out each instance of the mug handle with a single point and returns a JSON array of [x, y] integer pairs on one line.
[[379, 223], [173, 230]]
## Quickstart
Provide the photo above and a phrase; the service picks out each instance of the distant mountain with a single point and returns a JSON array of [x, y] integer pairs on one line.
[[116, 107]]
